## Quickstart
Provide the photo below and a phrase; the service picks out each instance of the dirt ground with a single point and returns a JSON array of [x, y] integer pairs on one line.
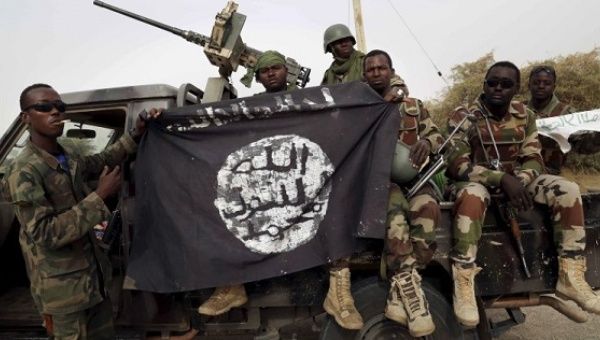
[[544, 323]]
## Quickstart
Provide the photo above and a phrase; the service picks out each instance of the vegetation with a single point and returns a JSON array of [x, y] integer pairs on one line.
[[578, 83]]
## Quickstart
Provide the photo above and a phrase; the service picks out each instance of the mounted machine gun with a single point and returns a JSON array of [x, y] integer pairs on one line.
[[224, 49]]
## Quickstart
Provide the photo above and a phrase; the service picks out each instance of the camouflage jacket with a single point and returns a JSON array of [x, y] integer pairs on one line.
[[57, 212], [515, 135], [416, 123], [396, 80], [554, 108], [551, 153]]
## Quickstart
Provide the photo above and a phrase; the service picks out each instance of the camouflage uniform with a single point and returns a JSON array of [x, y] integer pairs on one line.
[[517, 140], [69, 273], [551, 154], [353, 72], [411, 224]]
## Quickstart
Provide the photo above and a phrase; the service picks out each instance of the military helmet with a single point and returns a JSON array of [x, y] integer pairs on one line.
[[402, 170], [336, 32]]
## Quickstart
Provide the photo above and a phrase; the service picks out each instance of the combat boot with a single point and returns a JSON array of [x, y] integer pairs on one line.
[[571, 284], [339, 302], [223, 299], [408, 284], [394, 308], [465, 305]]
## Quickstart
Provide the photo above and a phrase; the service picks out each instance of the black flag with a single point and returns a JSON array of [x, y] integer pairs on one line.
[[252, 188]]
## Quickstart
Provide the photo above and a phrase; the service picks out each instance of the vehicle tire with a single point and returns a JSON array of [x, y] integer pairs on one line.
[[370, 296]]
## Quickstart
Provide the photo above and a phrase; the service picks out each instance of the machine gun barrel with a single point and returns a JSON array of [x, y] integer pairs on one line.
[[190, 36], [224, 48]]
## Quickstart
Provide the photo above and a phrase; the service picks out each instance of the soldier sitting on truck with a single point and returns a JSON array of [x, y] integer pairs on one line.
[[544, 103], [411, 223], [500, 152], [69, 273], [271, 72], [348, 66]]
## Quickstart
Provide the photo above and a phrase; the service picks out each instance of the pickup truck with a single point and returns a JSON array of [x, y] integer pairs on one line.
[[290, 306]]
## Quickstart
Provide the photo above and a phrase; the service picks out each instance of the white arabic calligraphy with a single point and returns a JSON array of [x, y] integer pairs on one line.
[[273, 194]]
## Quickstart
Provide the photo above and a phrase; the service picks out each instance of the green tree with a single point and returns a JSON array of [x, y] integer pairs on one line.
[[578, 83]]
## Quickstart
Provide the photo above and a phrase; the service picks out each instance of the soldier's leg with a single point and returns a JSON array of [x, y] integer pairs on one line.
[[93, 323], [70, 326], [398, 247], [564, 199], [339, 302], [470, 206], [424, 216], [223, 299], [406, 301], [472, 200]]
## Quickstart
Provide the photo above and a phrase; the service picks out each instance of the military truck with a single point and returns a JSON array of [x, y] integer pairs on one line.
[[290, 306]]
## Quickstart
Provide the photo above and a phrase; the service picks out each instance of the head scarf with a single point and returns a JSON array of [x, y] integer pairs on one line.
[[267, 59]]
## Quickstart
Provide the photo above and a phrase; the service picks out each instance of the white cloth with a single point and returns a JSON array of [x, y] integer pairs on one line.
[[560, 128]]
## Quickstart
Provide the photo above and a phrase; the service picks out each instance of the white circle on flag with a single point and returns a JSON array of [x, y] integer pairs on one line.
[[272, 194]]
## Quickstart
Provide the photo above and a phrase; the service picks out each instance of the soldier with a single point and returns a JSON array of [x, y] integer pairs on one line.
[[271, 72], [542, 82], [348, 66], [411, 224], [347, 62], [69, 273], [500, 152]]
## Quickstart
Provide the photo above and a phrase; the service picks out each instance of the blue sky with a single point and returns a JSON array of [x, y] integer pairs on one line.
[[74, 45]]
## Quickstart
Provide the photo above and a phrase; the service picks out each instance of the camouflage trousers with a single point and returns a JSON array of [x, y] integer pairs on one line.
[[410, 236], [560, 195], [92, 323]]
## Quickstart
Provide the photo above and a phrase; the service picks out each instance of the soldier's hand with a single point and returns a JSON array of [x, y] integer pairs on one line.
[[395, 95], [109, 182], [419, 152], [517, 194], [141, 121]]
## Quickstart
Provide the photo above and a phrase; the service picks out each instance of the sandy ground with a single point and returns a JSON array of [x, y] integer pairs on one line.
[[544, 323]]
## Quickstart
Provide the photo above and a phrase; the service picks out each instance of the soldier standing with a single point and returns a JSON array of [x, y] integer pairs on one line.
[[500, 152], [271, 72], [411, 223], [69, 273], [347, 62], [543, 101]]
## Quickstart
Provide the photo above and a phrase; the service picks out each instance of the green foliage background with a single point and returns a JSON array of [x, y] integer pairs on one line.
[[578, 83]]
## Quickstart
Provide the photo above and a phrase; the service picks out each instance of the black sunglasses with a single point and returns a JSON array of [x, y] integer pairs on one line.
[[48, 106], [504, 83]]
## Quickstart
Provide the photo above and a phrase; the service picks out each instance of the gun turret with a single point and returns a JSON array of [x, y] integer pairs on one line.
[[224, 48]]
